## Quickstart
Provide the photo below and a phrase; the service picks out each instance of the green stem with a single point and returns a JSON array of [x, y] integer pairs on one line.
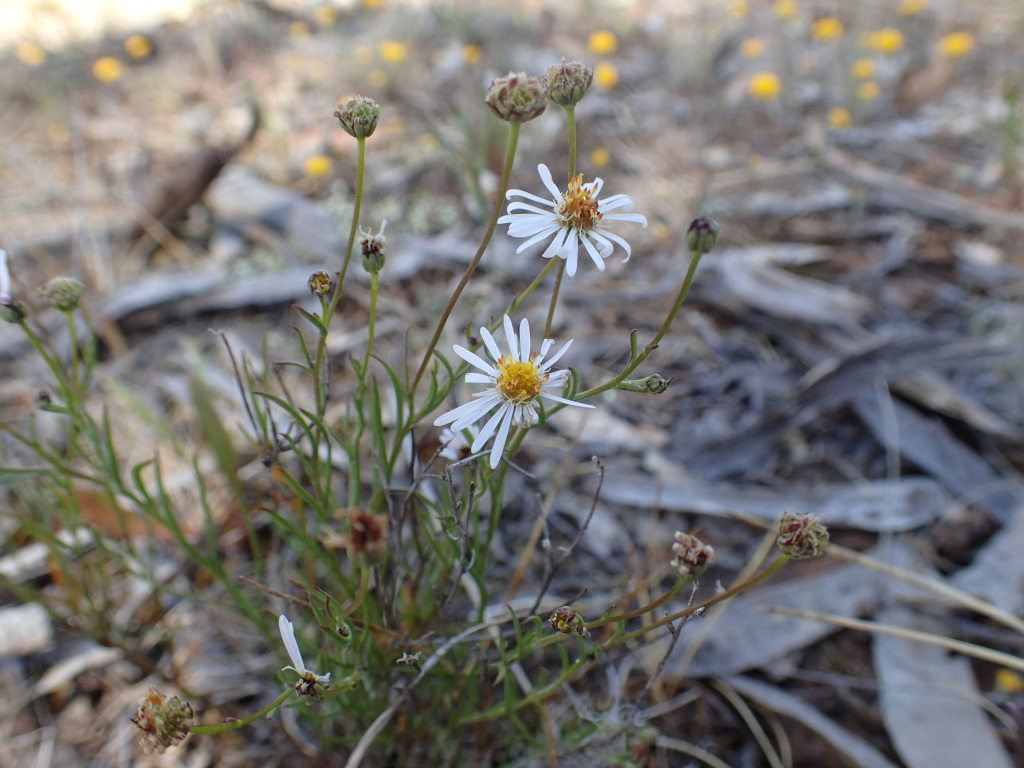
[[241, 723], [554, 298], [570, 116], [499, 203]]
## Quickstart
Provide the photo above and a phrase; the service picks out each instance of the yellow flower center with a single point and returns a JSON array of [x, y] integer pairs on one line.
[[518, 382], [578, 207]]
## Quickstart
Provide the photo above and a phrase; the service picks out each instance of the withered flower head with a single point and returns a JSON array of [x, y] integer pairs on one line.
[[567, 621], [517, 97], [164, 722], [802, 536], [320, 284], [567, 82], [372, 247], [692, 556]]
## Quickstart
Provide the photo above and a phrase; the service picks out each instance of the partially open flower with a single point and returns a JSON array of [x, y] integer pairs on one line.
[[567, 82], [516, 97], [310, 685], [802, 536], [567, 621], [372, 247], [692, 556], [320, 283], [164, 722], [358, 115]]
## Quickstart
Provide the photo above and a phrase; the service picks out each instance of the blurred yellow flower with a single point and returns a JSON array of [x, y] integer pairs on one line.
[[839, 117], [910, 7], [363, 54], [373, 3], [764, 85], [378, 78], [30, 54], [956, 44], [752, 47], [827, 28], [471, 54], [298, 29], [138, 46], [606, 75], [600, 157], [886, 40], [862, 68], [602, 42], [325, 15], [868, 91], [738, 9], [107, 69], [785, 9], [392, 51], [1008, 682], [317, 166]]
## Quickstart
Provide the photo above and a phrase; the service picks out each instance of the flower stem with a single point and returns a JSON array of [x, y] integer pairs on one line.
[[506, 173], [241, 723]]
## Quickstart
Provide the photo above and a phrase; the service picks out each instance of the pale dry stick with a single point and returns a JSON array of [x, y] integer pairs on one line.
[[957, 646], [940, 588], [382, 719], [738, 703], [678, 745]]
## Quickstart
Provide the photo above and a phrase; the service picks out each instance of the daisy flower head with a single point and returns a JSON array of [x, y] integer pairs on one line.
[[516, 382], [572, 217], [310, 683]]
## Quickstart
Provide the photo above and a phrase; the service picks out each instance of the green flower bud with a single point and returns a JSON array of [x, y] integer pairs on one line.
[[12, 311], [358, 115], [372, 247], [654, 384], [63, 293], [702, 234], [567, 82], [516, 97]]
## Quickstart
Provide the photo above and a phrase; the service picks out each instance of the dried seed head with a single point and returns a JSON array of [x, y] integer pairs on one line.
[[320, 283], [567, 621], [164, 722], [358, 115], [702, 234], [567, 82], [62, 293], [692, 556], [517, 97], [802, 536]]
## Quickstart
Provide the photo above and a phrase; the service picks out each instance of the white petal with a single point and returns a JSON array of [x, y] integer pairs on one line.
[[620, 241], [499, 441], [635, 218], [593, 253], [613, 202], [542, 235], [534, 210], [545, 176], [557, 399], [604, 245], [510, 337], [492, 347], [292, 647], [480, 378], [5, 276], [596, 186], [559, 353], [488, 429], [474, 359], [520, 193], [524, 340], [470, 412]]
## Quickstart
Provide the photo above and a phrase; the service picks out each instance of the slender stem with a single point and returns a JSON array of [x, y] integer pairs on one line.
[[374, 289], [570, 116], [506, 173], [554, 298], [241, 723]]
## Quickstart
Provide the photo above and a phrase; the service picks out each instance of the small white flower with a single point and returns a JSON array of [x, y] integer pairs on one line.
[[516, 382], [573, 217], [288, 636]]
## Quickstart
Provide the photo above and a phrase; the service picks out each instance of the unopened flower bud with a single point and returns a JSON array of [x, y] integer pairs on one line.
[[654, 384], [567, 82], [567, 621], [517, 97], [320, 284], [372, 247], [702, 234], [164, 722], [358, 115], [802, 536], [11, 310], [692, 556], [63, 293]]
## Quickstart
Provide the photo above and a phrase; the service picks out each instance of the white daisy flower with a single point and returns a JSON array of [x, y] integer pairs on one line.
[[307, 684], [517, 382], [573, 217]]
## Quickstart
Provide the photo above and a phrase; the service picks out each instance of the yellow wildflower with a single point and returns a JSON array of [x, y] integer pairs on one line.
[[606, 75], [862, 68], [1008, 682], [600, 157], [317, 166], [752, 47], [107, 69], [764, 85], [30, 54], [138, 46], [868, 91], [956, 44], [827, 28], [298, 29], [325, 15], [910, 7], [392, 51], [886, 40], [785, 9], [839, 117], [471, 54], [602, 43], [738, 9], [373, 3]]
